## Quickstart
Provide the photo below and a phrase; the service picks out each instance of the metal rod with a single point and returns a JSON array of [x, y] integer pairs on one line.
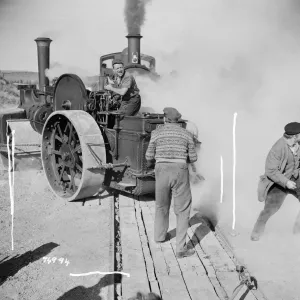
[[111, 166], [117, 129]]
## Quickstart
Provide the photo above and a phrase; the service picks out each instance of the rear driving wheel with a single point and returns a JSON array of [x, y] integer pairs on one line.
[[72, 153]]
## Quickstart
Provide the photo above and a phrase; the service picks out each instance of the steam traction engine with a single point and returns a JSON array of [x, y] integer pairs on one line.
[[85, 144]]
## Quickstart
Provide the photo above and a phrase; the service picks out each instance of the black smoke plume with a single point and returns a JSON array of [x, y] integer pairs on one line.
[[135, 12]]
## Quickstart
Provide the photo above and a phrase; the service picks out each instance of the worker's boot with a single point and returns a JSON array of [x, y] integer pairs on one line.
[[167, 238], [185, 253], [257, 231]]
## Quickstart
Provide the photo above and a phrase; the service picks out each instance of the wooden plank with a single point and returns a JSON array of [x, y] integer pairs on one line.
[[193, 272], [110, 289], [169, 276], [158, 259], [218, 256], [222, 268], [221, 237], [146, 251], [132, 255], [151, 206], [230, 280], [211, 274], [216, 262]]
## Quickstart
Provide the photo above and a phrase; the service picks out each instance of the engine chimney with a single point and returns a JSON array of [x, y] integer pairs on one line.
[[134, 48], [43, 45]]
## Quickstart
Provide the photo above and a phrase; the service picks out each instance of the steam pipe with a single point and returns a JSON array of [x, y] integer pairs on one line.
[[134, 48], [43, 45]]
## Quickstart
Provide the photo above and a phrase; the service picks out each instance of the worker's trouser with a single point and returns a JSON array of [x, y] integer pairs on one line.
[[131, 107], [172, 179], [274, 200]]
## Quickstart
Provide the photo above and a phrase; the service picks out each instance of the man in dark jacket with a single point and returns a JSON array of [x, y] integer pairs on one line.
[[281, 177], [124, 85], [172, 147]]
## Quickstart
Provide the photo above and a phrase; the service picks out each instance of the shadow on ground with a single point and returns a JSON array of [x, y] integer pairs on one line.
[[13, 265], [91, 293], [205, 226]]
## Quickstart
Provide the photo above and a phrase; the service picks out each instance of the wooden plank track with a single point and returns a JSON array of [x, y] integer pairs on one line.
[[220, 236], [209, 274], [111, 285], [154, 286], [132, 255], [167, 270]]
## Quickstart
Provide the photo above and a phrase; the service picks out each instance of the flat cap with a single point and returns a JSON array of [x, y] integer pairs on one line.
[[292, 128], [117, 61], [172, 114]]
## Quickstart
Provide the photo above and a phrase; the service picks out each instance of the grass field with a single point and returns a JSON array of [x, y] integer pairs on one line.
[[9, 94], [19, 76]]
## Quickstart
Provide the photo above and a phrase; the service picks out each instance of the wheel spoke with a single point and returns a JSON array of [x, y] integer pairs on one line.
[[78, 148], [67, 172], [79, 167], [63, 151], [56, 152], [72, 187], [70, 134], [60, 164], [60, 132], [62, 172], [58, 138]]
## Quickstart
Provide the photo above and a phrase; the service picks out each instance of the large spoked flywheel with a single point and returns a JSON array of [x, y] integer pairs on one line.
[[73, 150]]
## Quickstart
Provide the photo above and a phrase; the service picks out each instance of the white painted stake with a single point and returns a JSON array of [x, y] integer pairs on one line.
[[234, 166], [11, 181], [222, 178]]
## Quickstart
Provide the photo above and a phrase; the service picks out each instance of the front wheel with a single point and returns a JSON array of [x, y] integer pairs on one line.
[[73, 150]]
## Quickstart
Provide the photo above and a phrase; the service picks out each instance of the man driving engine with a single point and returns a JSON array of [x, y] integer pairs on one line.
[[124, 85]]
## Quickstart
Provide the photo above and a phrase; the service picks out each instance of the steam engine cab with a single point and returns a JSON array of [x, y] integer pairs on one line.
[[134, 61]]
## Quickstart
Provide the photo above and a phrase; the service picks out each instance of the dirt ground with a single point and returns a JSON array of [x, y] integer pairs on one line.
[[44, 226], [76, 235], [274, 260]]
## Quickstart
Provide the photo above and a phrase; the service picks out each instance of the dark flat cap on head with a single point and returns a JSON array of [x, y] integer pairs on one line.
[[292, 128], [117, 61], [172, 114]]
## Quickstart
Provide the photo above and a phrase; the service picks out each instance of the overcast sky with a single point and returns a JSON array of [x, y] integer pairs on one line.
[[81, 30]]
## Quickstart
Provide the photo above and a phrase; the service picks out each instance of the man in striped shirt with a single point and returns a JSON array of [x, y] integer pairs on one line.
[[172, 147]]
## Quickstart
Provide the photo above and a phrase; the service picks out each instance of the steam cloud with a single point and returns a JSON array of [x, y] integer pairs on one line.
[[229, 57], [135, 13], [57, 69]]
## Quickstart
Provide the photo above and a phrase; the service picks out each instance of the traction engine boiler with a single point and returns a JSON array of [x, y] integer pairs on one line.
[[86, 145]]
